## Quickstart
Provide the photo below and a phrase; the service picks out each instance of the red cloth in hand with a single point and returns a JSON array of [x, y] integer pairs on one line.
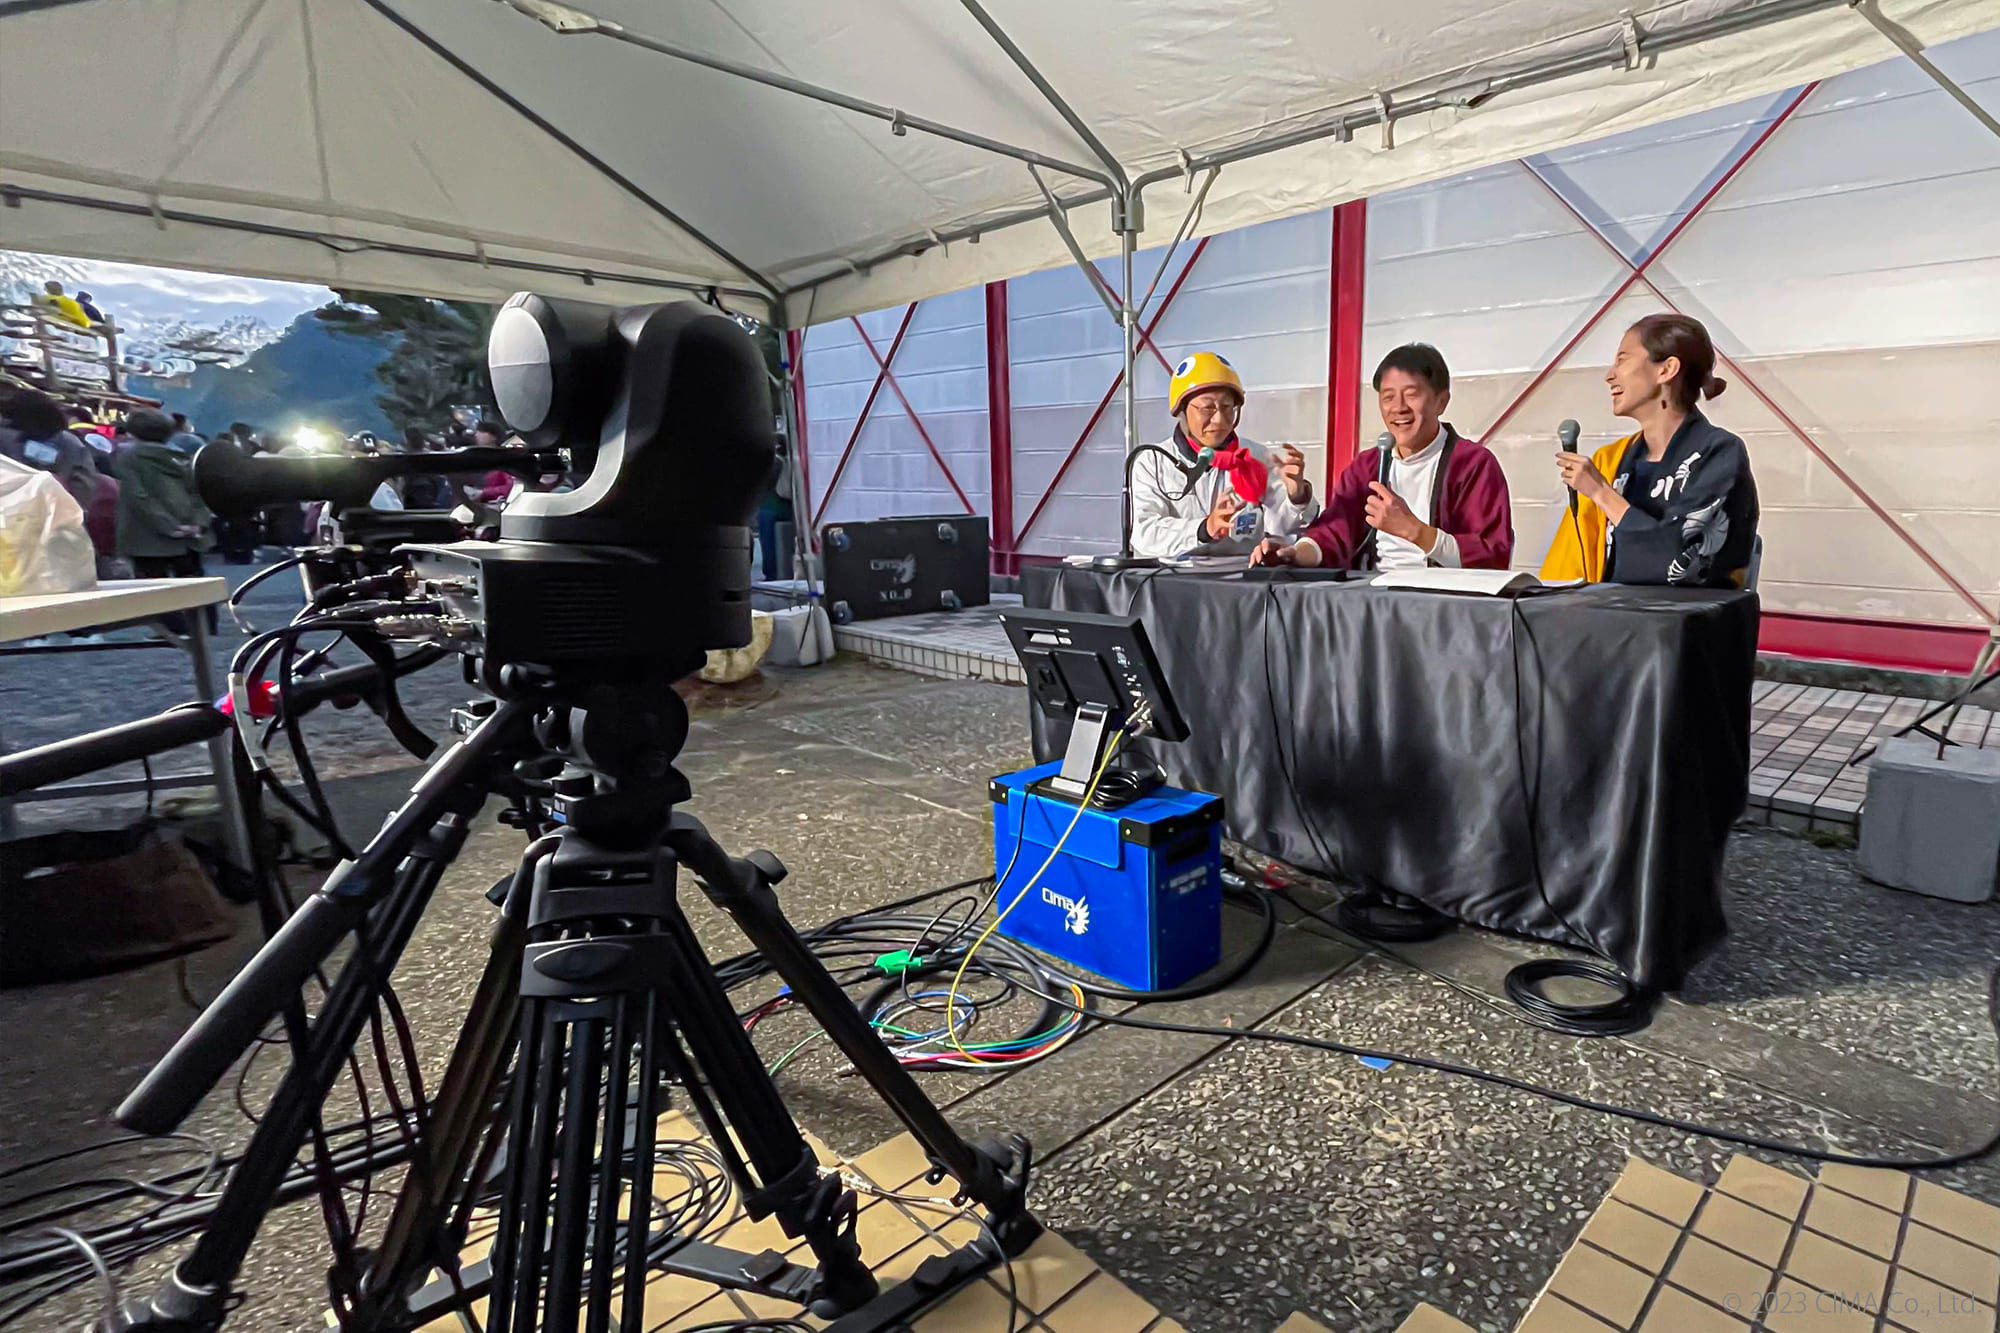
[[1249, 474]]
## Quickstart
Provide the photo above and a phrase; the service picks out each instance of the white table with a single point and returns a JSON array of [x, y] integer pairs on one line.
[[118, 603]]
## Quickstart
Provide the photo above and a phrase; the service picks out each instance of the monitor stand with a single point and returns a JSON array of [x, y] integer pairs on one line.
[[1090, 732]]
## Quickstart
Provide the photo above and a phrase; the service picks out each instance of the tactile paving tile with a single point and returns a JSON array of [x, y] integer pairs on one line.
[[1054, 1287], [1429, 1319], [1770, 1250]]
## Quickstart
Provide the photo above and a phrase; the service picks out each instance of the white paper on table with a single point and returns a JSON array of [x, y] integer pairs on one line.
[[1487, 582]]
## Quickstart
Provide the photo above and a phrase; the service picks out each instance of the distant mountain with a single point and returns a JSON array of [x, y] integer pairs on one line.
[[237, 336], [306, 375], [22, 275]]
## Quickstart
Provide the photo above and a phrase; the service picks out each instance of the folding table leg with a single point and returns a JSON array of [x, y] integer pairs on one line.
[[235, 833]]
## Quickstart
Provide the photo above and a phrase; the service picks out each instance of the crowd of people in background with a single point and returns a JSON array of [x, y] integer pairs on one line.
[[133, 478]]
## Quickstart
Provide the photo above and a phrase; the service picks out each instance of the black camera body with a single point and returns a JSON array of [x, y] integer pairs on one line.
[[513, 603]]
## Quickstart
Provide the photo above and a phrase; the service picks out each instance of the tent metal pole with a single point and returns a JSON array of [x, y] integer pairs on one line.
[[1047, 90], [1365, 112], [795, 458], [564, 21], [350, 245], [1054, 213], [1906, 41], [603, 168], [1344, 120], [1104, 400], [1128, 317]]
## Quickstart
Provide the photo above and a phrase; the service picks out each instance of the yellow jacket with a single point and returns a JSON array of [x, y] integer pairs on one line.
[[1579, 548], [64, 307]]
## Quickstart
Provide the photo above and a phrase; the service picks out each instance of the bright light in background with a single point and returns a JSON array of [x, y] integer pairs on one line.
[[312, 439]]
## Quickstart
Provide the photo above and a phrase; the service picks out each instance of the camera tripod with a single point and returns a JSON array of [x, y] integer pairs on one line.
[[600, 999]]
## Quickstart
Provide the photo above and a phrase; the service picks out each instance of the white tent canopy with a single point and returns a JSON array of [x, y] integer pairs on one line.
[[468, 148]]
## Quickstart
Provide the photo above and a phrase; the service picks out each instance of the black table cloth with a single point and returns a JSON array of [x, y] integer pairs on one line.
[[1565, 765]]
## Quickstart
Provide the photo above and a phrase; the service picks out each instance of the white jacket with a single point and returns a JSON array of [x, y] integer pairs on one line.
[[1163, 526]]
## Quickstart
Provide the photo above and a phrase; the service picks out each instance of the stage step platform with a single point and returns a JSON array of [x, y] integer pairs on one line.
[[947, 645]]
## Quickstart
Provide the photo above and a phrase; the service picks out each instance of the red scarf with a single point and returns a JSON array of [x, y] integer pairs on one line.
[[1249, 474]]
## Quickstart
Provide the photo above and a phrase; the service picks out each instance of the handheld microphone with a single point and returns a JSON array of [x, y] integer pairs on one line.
[[1385, 441], [1566, 435]]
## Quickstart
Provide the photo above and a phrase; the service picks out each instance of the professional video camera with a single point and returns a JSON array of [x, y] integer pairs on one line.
[[597, 1005]]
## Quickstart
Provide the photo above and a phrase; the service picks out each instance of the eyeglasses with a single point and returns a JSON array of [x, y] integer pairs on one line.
[[1225, 408]]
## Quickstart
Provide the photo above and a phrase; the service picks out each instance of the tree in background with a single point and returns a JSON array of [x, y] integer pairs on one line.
[[436, 352]]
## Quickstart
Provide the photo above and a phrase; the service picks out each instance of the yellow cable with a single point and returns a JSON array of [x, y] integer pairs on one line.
[[951, 997]]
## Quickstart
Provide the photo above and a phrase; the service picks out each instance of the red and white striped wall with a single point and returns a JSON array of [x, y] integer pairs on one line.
[[1841, 241]]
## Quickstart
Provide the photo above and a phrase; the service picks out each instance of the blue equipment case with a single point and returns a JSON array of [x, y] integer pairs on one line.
[[1136, 893]]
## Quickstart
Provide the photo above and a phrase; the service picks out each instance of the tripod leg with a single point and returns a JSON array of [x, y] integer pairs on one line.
[[606, 933], [793, 1190], [195, 1295], [569, 1249], [461, 1131], [994, 1175]]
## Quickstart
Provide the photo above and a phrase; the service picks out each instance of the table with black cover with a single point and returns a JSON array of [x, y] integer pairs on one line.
[[1567, 761]]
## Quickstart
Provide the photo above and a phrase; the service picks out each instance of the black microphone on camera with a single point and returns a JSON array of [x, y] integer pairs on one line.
[[1566, 435]]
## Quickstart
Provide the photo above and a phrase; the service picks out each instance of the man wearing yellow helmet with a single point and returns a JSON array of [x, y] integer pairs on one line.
[[1246, 494]]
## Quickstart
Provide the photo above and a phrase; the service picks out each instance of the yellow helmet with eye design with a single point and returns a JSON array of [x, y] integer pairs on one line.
[[1198, 371]]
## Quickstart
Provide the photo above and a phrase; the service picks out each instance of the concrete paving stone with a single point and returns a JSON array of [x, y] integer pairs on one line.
[[1884, 1189], [1677, 1312], [1553, 1314], [1955, 1214], [1746, 1230], [1636, 1237], [1955, 1263], [1828, 1265], [1430, 1319], [1101, 1304], [1719, 1276], [1602, 1284], [1922, 1306], [1795, 1308], [1770, 1188], [1848, 1220], [1660, 1193]]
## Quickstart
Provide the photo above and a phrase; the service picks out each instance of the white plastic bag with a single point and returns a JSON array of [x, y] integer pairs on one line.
[[43, 544], [726, 666]]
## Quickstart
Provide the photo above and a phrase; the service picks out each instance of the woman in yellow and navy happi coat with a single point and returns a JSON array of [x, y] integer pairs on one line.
[[1674, 503]]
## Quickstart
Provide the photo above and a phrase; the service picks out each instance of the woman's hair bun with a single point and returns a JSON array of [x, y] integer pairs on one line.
[[1714, 387]]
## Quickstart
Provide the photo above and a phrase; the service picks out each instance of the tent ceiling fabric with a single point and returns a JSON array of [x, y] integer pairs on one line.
[[461, 148]]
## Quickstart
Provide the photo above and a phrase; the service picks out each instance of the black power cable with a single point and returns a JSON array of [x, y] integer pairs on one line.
[[1629, 1009], [1690, 1127]]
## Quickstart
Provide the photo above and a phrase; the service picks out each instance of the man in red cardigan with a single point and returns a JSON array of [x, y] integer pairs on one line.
[[1435, 499]]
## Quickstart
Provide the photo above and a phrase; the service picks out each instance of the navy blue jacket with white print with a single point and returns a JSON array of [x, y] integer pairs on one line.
[[1698, 525]]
